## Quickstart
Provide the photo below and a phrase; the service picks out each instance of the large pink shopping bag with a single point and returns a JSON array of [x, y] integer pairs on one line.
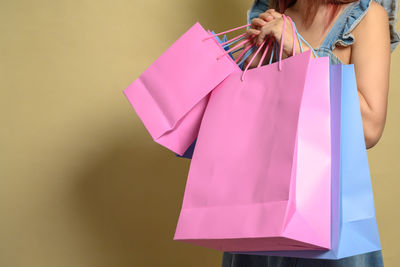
[[354, 226], [354, 229], [171, 95], [259, 178]]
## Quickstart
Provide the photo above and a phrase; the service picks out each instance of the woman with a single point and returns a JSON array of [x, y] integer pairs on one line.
[[349, 32]]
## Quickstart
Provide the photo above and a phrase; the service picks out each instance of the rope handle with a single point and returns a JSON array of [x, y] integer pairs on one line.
[[248, 53], [282, 41], [232, 41], [233, 48], [265, 52], [252, 59], [294, 34], [244, 52], [231, 30], [273, 52], [269, 42], [300, 38], [248, 50]]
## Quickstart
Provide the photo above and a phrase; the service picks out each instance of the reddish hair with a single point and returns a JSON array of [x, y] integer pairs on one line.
[[282, 5]]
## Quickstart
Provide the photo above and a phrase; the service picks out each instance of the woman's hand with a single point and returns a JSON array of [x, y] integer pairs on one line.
[[270, 23], [254, 25]]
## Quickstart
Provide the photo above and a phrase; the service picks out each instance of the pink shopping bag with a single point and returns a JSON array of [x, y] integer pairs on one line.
[[354, 226], [259, 178], [171, 95]]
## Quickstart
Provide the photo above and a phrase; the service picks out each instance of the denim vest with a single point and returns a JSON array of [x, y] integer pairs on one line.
[[340, 33]]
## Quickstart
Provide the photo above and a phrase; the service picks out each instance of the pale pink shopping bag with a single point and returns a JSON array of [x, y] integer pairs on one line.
[[171, 95], [259, 178]]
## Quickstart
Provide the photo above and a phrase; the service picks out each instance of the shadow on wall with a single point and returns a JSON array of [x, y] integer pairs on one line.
[[130, 195]]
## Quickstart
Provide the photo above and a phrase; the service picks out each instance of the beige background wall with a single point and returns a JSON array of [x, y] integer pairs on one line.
[[81, 181]]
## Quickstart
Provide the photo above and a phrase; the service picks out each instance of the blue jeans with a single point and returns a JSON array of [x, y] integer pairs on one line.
[[372, 259]]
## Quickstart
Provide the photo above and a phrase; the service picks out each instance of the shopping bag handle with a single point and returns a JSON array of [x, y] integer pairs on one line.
[[247, 54], [253, 57], [233, 40], [244, 52], [233, 48], [299, 38], [230, 42], [231, 30], [273, 52], [281, 47], [271, 39], [282, 41]]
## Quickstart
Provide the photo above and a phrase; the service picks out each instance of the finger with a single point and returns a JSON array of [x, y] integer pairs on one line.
[[257, 22], [267, 14], [252, 32], [263, 34], [266, 17], [274, 14]]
